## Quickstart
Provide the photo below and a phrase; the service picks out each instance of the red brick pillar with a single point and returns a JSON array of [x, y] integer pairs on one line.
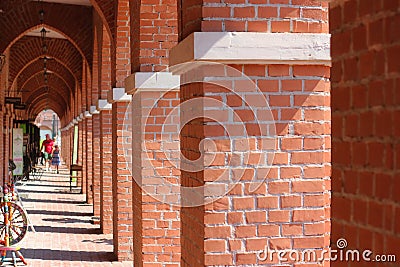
[[290, 209], [96, 158], [122, 178], [64, 144], [71, 136], [82, 148], [106, 197], [81, 177], [89, 163], [365, 127], [155, 146]]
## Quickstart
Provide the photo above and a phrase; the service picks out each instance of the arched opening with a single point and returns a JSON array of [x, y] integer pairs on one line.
[[48, 68]]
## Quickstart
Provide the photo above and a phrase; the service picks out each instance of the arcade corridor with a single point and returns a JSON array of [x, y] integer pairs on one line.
[[62, 220], [206, 132]]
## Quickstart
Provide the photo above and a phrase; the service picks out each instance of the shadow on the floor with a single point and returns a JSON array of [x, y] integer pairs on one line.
[[65, 255], [27, 200], [46, 185], [99, 241], [45, 180], [66, 220], [74, 191], [59, 213], [67, 230]]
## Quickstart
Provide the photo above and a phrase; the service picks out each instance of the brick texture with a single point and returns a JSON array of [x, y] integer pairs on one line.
[[121, 186], [156, 221], [106, 197], [254, 16], [232, 229], [365, 83]]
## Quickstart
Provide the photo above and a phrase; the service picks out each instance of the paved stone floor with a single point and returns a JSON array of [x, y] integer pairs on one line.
[[64, 235]]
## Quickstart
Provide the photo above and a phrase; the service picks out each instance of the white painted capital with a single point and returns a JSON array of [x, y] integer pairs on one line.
[[254, 48], [93, 110], [87, 114], [152, 81], [103, 104], [118, 95]]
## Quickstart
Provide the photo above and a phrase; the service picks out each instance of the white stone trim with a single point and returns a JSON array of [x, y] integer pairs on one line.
[[254, 48], [102, 104], [79, 118], [87, 114], [118, 95], [93, 110], [152, 81], [75, 121]]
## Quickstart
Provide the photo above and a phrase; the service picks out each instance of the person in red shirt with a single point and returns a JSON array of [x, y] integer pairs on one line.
[[48, 150]]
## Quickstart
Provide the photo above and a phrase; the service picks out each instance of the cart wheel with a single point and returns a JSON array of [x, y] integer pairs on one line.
[[17, 222]]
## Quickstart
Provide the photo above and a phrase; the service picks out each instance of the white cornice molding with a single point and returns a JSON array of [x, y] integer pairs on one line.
[[102, 104], [93, 110], [152, 81], [254, 48], [118, 95], [87, 114]]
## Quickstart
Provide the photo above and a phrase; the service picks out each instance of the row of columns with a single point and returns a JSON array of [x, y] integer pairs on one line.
[[106, 185], [110, 160], [138, 172]]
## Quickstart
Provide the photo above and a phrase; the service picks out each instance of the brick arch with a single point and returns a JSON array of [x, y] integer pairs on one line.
[[106, 10], [36, 66], [28, 49], [37, 82], [40, 106], [40, 101], [72, 20]]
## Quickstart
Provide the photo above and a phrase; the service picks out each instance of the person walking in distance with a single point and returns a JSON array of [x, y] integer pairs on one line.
[[47, 145], [55, 159]]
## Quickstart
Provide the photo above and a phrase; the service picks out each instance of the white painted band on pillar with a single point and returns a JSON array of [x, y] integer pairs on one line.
[[93, 110], [103, 104], [254, 48], [151, 81], [118, 95], [87, 114]]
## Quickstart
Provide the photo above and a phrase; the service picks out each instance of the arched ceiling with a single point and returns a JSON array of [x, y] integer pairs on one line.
[[35, 83], [40, 101], [53, 66], [74, 21], [69, 45], [29, 49]]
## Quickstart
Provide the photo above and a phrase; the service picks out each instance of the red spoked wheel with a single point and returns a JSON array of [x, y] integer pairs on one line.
[[13, 223]]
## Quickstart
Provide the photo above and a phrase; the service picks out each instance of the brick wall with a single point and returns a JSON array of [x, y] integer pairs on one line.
[[121, 186], [156, 219], [291, 209], [259, 16], [89, 160], [365, 99], [158, 33], [122, 43], [106, 197], [96, 158]]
